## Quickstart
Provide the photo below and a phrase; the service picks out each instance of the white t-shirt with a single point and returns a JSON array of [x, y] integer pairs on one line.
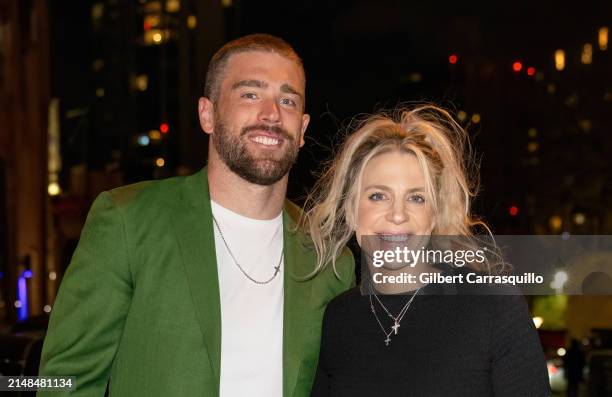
[[251, 314]]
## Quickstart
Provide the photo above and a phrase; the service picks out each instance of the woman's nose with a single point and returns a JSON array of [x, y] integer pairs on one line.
[[397, 213]]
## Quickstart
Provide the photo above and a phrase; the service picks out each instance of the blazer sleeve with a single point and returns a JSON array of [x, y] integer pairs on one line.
[[92, 304]]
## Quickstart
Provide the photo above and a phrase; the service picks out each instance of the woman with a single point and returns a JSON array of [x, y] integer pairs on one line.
[[403, 181]]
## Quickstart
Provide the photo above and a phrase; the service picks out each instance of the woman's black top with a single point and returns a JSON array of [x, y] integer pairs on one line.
[[447, 345]]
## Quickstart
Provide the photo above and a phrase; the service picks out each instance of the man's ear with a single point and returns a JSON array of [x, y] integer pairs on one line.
[[206, 114], [305, 121]]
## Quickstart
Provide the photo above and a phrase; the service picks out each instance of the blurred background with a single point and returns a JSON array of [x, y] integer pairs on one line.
[[95, 94]]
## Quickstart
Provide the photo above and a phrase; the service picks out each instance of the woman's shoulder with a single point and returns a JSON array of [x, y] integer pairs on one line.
[[344, 302]]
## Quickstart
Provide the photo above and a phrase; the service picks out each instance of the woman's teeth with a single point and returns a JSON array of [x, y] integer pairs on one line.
[[394, 237]]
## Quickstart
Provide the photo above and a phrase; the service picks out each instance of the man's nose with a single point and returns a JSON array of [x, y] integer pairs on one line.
[[270, 111]]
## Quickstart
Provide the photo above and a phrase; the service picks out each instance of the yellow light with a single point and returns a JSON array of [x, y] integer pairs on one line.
[[142, 82], [532, 132], [97, 11], [561, 352], [154, 36], [603, 38], [192, 22], [560, 60], [155, 135], [585, 125], [54, 189], [98, 64], [160, 162], [476, 118], [152, 21], [555, 222], [587, 54], [579, 218], [538, 321], [52, 275], [226, 3], [99, 92], [532, 147], [461, 115], [173, 5]]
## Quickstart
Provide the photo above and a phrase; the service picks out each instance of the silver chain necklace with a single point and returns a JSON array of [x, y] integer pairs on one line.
[[396, 319], [276, 268]]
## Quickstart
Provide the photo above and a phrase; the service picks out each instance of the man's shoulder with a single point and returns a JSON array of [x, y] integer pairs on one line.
[[150, 195]]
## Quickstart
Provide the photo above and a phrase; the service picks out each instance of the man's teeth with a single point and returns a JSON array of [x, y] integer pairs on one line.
[[394, 237], [264, 140]]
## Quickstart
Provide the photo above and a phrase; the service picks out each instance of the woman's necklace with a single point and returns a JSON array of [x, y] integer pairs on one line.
[[396, 319]]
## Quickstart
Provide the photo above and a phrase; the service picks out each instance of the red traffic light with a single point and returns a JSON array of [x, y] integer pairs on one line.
[[164, 128], [453, 59], [517, 66], [513, 210], [531, 71]]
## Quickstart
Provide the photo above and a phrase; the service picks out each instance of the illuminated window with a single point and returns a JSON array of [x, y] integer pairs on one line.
[[97, 11], [559, 60], [152, 6], [587, 54], [173, 5], [141, 82], [603, 38], [151, 21], [192, 22]]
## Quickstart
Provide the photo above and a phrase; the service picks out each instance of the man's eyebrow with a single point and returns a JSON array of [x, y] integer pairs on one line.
[[249, 83], [290, 90]]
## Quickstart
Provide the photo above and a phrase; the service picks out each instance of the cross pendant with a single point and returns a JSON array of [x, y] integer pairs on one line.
[[387, 341], [276, 269], [395, 328]]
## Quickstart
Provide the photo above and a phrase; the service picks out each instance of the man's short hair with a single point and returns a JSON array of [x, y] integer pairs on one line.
[[252, 42]]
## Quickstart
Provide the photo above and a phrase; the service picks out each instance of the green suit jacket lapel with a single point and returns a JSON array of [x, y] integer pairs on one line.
[[194, 230], [298, 263]]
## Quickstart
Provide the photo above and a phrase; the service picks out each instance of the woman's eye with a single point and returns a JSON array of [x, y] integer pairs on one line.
[[417, 198], [249, 95], [376, 196]]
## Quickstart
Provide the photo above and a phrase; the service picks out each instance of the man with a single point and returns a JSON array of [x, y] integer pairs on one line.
[[195, 286]]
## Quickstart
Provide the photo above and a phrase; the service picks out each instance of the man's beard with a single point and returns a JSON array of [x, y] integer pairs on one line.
[[258, 170]]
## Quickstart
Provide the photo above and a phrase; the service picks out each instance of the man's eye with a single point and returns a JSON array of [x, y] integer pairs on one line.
[[288, 101], [376, 196], [249, 95], [417, 198]]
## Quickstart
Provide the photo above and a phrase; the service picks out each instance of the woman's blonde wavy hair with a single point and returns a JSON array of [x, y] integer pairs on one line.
[[442, 149]]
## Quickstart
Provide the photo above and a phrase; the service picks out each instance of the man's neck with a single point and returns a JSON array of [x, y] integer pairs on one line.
[[247, 199]]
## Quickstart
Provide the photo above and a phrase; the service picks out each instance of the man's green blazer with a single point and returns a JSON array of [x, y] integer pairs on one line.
[[139, 308]]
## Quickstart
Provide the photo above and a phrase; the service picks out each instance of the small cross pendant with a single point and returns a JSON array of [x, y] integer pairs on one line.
[[387, 341], [276, 269], [395, 328]]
